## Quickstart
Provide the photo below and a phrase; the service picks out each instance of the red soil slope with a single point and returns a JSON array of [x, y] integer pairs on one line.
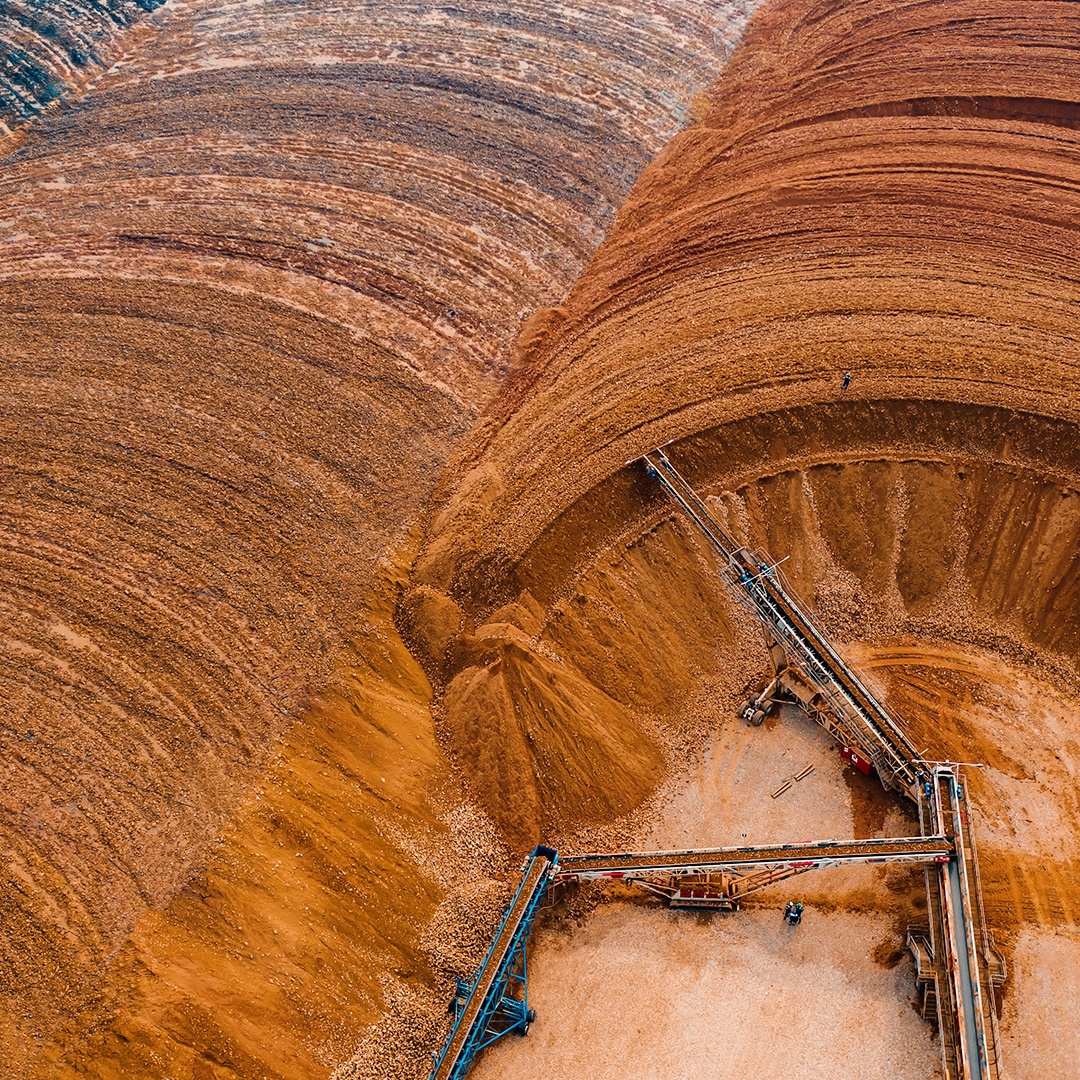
[[880, 189], [256, 283]]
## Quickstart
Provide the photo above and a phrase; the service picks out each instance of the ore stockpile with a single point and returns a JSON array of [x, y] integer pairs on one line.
[[327, 590]]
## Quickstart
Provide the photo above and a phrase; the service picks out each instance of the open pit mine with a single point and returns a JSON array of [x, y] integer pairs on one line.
[[539, 539]]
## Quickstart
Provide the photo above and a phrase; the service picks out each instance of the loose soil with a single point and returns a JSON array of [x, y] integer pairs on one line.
[[327, 590], [259, 273]]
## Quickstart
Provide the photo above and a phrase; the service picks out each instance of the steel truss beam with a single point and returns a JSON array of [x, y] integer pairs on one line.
[[484, 1007], [806, 664], [957, 964], [719, 877]]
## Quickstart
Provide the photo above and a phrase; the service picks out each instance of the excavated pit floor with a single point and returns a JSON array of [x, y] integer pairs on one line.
[[663, 996], [717, 996]]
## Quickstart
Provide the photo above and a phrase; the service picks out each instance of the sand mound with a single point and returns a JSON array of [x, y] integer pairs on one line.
[[260, 275], [543, 744], [809, 226]]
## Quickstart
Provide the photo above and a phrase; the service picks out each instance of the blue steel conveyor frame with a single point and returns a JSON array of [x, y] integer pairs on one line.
[[485, 1009]]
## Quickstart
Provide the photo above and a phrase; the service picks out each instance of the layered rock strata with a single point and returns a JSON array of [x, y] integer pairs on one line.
[[258, 278]]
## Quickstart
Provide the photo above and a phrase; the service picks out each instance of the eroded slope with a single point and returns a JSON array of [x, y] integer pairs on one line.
[[877, 189], [846, 205], [257, 283]]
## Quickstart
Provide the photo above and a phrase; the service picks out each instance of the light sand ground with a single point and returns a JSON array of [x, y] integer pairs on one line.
[[727, 801], [658, 995], [1040, 1030], [639, 991]]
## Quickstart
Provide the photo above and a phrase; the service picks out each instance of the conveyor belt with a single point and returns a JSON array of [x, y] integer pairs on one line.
[[467, 1035], [901, 757], [960, 950], [821, 852], [965, 942], [965, 964], [762, 588]]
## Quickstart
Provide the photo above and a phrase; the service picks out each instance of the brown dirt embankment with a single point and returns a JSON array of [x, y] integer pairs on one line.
[[173, 553], [877, 189], [891, 517], [549, 712], [274, 954], [255, 284], [806, 227], [427, 176]]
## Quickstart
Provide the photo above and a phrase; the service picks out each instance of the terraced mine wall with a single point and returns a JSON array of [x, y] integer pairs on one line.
[[260, 273], [318, 388]]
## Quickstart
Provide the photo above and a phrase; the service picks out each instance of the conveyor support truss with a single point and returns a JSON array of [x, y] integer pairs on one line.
[[485, 1006], [957, 963], [807, 666]]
